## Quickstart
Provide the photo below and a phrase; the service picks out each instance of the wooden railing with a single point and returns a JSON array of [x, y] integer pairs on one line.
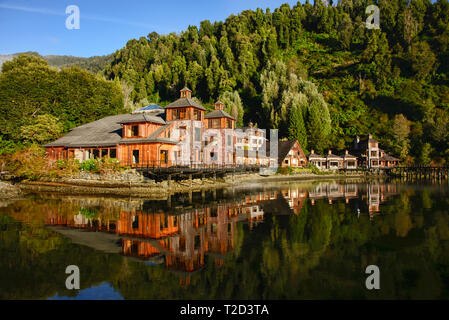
[[171, 166]]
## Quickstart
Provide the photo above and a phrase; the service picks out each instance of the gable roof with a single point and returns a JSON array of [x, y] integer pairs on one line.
[[218, 114], [185, 102], [284, 147]]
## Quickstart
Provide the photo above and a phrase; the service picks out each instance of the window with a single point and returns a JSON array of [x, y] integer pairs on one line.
[[113, 153], [373, 153], [196, 115], [197, 134], [104, 153], [163, 156], [179, 114], [135, 156], [96, 153], [229, 123], [134, 131], [229, 140]]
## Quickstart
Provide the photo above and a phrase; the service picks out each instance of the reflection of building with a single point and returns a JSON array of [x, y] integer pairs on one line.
[[184, 240], [374, 194]]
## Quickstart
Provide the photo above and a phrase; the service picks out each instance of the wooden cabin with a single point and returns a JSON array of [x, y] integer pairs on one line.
[[290, 154]]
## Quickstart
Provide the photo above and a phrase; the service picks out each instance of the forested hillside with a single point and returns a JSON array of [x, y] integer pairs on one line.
[[94, 64], [313, 71]]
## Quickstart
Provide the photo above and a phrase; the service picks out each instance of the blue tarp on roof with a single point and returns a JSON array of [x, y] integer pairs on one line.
[[150, 107]]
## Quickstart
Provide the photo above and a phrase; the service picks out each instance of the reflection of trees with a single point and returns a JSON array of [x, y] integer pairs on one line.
[[321, 252]]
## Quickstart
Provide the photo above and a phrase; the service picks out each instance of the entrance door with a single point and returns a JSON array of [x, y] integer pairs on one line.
[[135, 156]]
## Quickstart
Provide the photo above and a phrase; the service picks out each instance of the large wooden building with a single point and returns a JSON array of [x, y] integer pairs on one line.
[[179, 134]]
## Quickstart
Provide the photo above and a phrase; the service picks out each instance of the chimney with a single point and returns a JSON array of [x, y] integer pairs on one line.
[[330, 151], [186, 93], [370, 136], [219, 105], [250, 124], [312, 151], [346, 152]]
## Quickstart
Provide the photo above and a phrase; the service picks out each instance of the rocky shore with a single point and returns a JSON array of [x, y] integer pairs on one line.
[[133, 184]]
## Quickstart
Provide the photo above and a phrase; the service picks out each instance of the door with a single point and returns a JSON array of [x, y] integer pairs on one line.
[[135, 156]]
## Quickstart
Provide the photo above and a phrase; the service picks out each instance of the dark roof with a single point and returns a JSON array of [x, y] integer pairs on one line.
[[332, 156], [184, 102], [142, 117], [316, 156], [101, 133], [346, 156], [218, 114], [387, 157], [283, 148]]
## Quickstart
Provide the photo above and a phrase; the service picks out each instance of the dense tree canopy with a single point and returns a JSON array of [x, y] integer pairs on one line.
[[38, 102], [365, 77]]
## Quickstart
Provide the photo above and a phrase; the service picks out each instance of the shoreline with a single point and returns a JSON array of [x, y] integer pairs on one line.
[[160, 190]]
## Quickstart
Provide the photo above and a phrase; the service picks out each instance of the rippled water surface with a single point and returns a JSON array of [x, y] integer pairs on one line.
[[286, 241]]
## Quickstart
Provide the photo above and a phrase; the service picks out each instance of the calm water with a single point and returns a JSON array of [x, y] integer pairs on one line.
[[290, 241]]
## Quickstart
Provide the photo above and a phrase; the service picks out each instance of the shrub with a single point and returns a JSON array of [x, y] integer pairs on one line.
[[89, 165], [285, 170], [108, 165], [29, 163]]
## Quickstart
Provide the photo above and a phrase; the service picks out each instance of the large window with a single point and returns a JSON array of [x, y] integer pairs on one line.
[[179, 114], [96, 153], [104, 153], [113, 153], [229, 123]]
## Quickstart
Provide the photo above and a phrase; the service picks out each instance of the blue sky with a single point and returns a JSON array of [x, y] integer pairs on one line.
[[105, 26]]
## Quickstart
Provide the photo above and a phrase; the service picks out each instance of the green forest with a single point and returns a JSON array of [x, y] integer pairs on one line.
[[313, 70]]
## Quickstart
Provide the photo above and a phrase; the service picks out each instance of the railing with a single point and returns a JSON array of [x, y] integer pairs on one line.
[[171, 166]]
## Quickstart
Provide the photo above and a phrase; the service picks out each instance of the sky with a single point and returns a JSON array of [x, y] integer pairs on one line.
[[106, 26]]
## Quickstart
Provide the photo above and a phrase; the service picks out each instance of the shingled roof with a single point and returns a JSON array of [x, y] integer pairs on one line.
[[142, 117], [185, 102], [218, 114], [101, 133]]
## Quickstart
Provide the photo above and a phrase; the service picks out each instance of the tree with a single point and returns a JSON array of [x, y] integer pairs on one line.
[[400, 133], [422, 58], [44, 128], [233, 105]]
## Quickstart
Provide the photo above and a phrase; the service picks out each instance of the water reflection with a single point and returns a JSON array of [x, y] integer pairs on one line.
[[161, 232], [264, 242]]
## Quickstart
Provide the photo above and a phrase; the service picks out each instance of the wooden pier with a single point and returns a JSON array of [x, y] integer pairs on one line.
[[419, 173], [171, 171]]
